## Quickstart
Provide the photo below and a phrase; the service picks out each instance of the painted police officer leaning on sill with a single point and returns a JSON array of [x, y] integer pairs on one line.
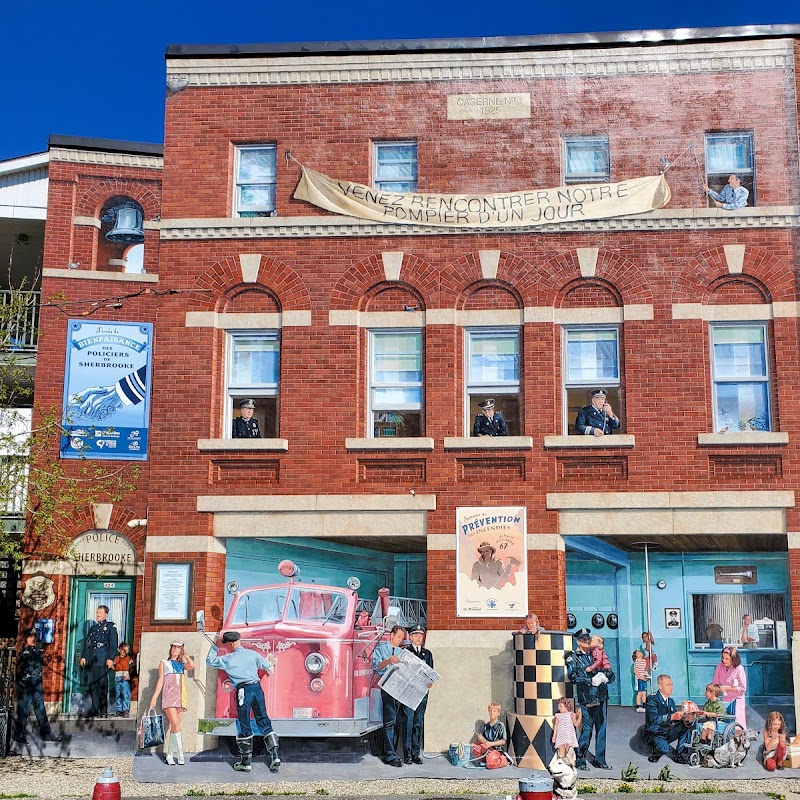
[[597, 419], [245, 426], [732, 196], [489, 422]]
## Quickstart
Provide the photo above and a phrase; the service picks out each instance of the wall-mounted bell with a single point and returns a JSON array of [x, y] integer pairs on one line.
[[127, 225]]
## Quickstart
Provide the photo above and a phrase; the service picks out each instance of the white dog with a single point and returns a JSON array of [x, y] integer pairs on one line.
[[733, 752], [565, 776]]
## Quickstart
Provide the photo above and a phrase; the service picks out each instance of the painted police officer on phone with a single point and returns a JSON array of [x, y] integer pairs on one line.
[[597, 419], [489, 422], [30, 662], [245, 426]]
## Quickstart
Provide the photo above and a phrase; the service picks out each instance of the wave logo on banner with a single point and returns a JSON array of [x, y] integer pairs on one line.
[[527, 208]]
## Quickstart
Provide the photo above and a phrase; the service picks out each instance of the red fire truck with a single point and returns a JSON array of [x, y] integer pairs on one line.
[[323, 638]]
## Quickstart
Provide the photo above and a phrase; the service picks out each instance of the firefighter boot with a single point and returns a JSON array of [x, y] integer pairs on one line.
[[245, 762], [273, 751]]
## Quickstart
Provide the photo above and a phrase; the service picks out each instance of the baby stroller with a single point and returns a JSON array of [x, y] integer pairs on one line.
[[699, 749]]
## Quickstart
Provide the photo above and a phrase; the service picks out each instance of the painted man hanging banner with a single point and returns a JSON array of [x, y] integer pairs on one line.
[[526, 208], [491, 562]]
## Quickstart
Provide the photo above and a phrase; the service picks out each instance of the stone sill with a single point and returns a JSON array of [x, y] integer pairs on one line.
[[488, 442], [614, 440], [242, 445], [737, 438], [99, 275], [403, 443]]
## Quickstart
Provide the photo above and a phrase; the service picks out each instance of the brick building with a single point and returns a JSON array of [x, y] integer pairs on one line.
[[367, 345]]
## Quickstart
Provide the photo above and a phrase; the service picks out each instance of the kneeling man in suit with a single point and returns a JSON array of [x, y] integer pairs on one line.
[[664, 724]]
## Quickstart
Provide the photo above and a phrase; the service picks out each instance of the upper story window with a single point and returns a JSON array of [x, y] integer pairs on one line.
[[586, 159], [256, 170], [492, 372], [395, 383], [740, 377], [591, 361], [730, 154], [253, 374], [395, 166]]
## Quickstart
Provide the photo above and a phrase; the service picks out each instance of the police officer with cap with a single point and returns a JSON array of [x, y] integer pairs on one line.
[[591, 699], [597, 419], [243, 666], [245, 426], [30, 692], [489, 422], [415, 718], [99, 650]]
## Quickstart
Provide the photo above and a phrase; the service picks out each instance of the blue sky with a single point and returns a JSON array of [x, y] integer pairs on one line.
[[97, 69]]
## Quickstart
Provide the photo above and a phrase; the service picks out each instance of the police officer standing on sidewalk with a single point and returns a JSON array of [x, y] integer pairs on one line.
[[99, 650], [30, 692], [242, 666], [415, 718]]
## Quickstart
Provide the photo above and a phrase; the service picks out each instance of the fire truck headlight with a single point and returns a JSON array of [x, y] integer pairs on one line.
[[316, 663], [316, 685], [227, 686]]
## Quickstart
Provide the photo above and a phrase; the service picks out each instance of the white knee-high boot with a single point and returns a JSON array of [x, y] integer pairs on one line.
[[168, 750], [179, 748]]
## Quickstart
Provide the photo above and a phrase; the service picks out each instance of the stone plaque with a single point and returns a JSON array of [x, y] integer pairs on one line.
[[100, 548], [489, 106]]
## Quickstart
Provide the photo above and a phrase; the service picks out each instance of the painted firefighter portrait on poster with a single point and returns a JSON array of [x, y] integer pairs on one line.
[[491, 563]]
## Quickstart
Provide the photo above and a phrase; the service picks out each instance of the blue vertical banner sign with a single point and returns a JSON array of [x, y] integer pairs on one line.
[[107, 390]]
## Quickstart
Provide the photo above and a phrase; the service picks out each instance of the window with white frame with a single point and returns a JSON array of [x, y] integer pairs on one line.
[[395, 166], [591, 361], [492, 372], [395, 383], [253, 369], [740, 377], [256, 171], [727, 154], [586, 159]]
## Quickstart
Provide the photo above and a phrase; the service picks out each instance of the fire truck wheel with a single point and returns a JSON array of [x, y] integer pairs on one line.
[[377, 743]]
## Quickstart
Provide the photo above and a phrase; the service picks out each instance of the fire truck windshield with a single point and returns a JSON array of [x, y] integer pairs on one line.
[[260, 605], [312, 605]]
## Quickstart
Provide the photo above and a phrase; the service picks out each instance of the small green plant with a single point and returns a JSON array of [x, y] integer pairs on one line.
[[659, 789], [191, 792], [625, 788], [22, 794], [630, 773], [707, 788], [665, 774], [588, 789], [773, 795], [321, 790]]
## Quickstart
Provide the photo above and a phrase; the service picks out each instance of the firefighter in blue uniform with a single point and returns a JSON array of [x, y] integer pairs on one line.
[[245, 427], [99, 649], [30, 662], [489, 422], [597, 419], [415, 719]]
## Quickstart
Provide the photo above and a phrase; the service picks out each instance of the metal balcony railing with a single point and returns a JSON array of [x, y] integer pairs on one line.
[[412, 610], [19, 320]]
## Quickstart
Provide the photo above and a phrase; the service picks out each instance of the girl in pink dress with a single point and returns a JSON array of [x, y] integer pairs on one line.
[[172, 681], [564, 724], [730, 675]]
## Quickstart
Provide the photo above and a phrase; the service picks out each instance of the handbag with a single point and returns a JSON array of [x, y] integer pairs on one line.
[[152, 732]]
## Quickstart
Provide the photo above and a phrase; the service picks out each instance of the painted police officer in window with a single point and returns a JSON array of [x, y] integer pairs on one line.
[[597, 419], [489, 422], [246, 426]]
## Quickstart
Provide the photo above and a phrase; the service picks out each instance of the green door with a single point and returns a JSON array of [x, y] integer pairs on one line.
[[86, 594]]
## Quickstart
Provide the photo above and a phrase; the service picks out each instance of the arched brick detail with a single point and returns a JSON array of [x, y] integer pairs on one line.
[[392, 296], [589, 293], [736, 289], [96, 194], [612, 270], [487, 295], [762, 267], [465, 272], [248, 299], [225, 279], [363, 276]]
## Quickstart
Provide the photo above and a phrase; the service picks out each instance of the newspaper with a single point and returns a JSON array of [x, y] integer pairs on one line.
[[408, 680]]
